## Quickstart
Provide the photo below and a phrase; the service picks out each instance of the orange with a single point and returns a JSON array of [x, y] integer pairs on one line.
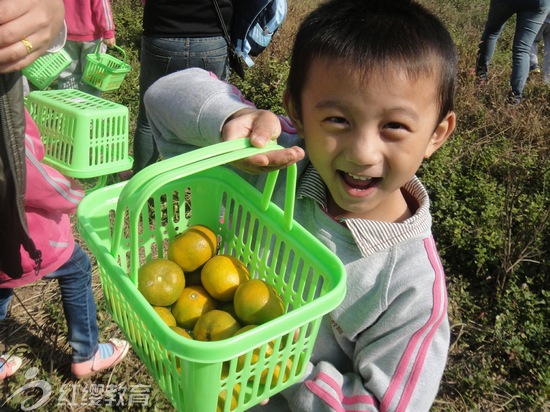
[[193, 247], [255, 355], [215, 325], [192, 303], [185, 334], [277, 373], [244, 329], [221, 276], [160, 281], [165, 315], [234, 398], [182, 332], [257, 302]]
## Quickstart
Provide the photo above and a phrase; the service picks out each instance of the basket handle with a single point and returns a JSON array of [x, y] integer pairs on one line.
[[137, 190], [114, 46]]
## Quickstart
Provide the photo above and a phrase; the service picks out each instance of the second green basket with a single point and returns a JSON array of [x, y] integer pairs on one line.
[[84, 136], [105, 72], [44, 70]]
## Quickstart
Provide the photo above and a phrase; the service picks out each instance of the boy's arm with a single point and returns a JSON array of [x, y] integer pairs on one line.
[[190, 108]]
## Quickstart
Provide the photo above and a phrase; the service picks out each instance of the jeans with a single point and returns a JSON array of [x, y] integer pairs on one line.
[[544, 36], [160, 57], [530, 15], [75, 284]]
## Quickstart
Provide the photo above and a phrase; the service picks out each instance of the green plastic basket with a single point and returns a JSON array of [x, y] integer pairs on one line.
[[130, 222], [44, 70], [105, 72], [84, 136]]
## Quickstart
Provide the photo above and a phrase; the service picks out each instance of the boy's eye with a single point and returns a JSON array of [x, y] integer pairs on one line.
[[337, 120], [395, 125]]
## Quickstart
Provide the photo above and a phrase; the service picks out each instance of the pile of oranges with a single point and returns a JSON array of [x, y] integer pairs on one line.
[[203, 295], [207, 296]]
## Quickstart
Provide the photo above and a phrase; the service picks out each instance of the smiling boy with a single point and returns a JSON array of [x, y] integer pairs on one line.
[[369, 96]]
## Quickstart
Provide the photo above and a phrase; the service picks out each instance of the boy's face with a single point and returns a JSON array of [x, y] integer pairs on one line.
[[367, 139]]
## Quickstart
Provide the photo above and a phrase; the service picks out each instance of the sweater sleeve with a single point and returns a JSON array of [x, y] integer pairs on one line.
[[399, 358], [189, 108], [47, 189], [103, 18]]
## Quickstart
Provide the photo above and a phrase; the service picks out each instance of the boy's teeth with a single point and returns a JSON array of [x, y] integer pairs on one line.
[[358, 177]]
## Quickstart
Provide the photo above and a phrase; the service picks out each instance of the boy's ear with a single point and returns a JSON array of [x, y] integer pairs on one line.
[[292, 113], [440, 134]]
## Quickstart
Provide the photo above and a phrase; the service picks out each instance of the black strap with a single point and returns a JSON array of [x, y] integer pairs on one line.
[[234, 60]]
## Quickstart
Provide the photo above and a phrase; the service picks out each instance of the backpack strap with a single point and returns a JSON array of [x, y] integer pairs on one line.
[[234, 60]]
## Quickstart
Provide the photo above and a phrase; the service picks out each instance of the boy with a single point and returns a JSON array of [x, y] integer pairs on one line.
[[370, 94]]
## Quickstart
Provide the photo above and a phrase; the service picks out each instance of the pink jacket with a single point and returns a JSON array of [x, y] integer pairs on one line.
[[49, 199], [89, 20]]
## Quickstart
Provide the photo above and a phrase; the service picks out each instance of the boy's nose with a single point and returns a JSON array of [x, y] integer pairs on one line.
[[364, 149]]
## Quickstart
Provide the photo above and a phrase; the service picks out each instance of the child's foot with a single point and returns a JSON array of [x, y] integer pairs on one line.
[[108, 355], [9, 365], [534, 69], [513, 99]]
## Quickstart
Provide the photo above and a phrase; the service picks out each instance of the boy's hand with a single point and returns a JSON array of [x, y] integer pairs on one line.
[[261, 126]]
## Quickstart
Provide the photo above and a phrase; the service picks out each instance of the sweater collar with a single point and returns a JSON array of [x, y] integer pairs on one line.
[[369, 235]]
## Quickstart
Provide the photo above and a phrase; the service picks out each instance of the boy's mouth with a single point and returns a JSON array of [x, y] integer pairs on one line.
[[359, 182]]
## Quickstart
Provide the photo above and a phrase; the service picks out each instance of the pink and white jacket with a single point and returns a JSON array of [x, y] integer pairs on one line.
[[49, 200], [89, 20]]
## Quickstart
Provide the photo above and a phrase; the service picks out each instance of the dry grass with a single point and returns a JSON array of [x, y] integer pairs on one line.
[[35, 329]]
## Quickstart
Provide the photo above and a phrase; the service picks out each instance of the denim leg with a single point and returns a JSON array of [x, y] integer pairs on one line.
[[546, 54], [6, 294], [528, 24], [75, 283], [499, 12], [534, 55], [160, 57]]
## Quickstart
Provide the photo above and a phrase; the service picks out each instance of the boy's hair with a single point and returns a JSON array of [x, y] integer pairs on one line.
[[375, 36]]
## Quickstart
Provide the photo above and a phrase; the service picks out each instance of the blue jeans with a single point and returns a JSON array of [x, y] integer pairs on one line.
[[530, 15], [544, 36], [75, 283], [162, 56]]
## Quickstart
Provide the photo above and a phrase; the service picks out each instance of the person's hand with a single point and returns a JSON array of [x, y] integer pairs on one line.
[[27, 28], [261, 126], [110, 43]]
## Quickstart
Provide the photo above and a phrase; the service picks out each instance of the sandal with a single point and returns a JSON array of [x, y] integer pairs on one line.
[[86, 369], [9, 365]]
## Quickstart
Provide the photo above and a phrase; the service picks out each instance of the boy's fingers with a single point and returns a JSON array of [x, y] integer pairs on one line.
[[266, 127], [273, 160], [260, 126]]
